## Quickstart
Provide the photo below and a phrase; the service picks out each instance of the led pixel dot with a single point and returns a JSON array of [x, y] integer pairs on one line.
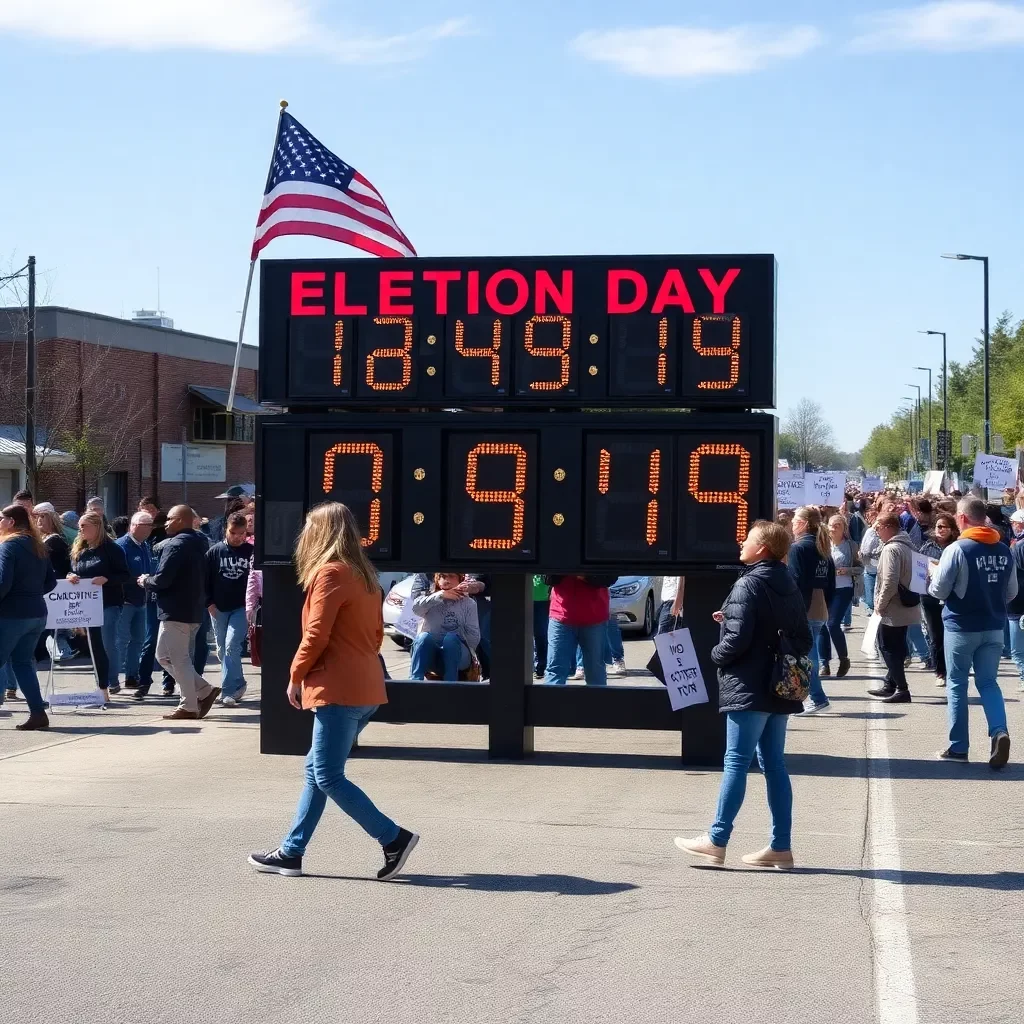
[[724, 497], [404, 353], [733, 351], [512, 497]]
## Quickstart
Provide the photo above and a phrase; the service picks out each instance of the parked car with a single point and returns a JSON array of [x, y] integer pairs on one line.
[[393, 603], [634, 602]]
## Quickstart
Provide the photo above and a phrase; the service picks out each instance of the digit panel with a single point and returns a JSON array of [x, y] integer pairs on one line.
[[358, 470], [628, 497], [477, 351], [715, 357], [492, 488], [719, 481], [642, 354], [320, 357], [386, 357], [546, 357]]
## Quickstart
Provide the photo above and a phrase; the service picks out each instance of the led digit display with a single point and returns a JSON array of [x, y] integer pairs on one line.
[[320, 358], [628, 497], [478, 355], [642, 355], [546, 358], [385, 356], [713, 361], [356, 469], [492, 509]]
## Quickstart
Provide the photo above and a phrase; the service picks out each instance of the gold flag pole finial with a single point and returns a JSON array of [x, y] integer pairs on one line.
[[284, 105]]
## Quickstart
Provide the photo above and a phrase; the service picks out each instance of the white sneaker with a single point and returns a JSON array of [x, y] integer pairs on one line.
[[617, 668], [813, 709], [228, 702], [56, 654], [578, 674]]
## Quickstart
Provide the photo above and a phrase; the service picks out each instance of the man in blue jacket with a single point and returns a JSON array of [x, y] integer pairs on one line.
[[131, 626], [976, 578]]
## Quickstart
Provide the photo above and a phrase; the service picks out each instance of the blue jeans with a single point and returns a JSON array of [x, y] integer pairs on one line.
[[131, 638], [201, 651], [745, 732], [540, 636], [817, 694], [614, 650], [18, 639], [445, 656], [231, 630], [334, 731], [149, 647], [981, 651], [1017, 643], [870, 578], [562, 642], [916, 640], [1007, 643], [839, 606], [108, 633]]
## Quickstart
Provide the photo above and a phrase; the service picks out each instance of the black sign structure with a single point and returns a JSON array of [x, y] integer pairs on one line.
[[943, 448], [664, 331], [489, 415]]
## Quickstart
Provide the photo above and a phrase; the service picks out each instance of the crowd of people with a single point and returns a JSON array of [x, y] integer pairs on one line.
[[169, 581]]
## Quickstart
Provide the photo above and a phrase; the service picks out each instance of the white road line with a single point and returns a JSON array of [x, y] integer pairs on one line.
[[895, 992]]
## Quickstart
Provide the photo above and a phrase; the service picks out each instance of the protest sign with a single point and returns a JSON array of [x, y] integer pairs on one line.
[[408, 623], [683, 677], [919, 579], [70, 605], [824, 488], [871, 484], [76, 700], [789, 490], [995, 472]]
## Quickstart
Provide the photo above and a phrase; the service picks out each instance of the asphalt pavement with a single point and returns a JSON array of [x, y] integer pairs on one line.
[[542, 891]]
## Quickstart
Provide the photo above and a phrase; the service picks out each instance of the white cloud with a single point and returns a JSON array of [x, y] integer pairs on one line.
[[947, 26], [677, 51], [239, 26]]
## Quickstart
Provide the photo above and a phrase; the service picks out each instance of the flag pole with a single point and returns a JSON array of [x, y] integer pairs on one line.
[[245, 301]]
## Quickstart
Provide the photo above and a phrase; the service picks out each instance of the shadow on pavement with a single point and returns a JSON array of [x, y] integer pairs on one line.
[[561, 885], [567, 759], [831, 765], [1007, 881], [119, 730]]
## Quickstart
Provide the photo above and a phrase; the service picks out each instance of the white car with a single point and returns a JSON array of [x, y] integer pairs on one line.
[[634, 602], [393, 603]]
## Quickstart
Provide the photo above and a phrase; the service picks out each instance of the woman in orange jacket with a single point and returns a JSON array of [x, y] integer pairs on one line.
[[336, 674]]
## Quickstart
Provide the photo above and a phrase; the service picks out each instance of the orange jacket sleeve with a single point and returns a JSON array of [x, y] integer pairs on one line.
[[329, 595]]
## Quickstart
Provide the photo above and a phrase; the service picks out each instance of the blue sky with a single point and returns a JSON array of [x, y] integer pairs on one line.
[[856, 142]]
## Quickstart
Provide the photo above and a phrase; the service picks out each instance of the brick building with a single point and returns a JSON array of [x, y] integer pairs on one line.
[[115, 400]]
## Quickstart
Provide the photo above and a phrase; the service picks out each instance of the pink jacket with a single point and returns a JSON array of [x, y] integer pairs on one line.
[[253, 593]]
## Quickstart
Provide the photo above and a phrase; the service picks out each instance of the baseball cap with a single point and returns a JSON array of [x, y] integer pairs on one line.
[[235, 491], [69, 518], [45, 506]]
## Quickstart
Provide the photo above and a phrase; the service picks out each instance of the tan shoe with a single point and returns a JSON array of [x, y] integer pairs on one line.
[[702, 847], [179, 713], [780, 860]]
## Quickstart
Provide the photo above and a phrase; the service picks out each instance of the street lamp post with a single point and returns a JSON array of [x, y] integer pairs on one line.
[[983, 260], [910, 418], [945, 405], [917, 387], [928, 370]]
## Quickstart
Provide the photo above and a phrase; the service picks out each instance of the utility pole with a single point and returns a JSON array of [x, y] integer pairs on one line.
[[30, 382]]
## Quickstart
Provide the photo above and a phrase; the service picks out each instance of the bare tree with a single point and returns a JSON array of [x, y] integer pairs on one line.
[[810, 434]]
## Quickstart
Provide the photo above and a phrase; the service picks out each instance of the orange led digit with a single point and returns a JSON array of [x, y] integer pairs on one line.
[[549, 352], [339, 342], [512, 497], [376, 479], [662, 346], [604, 470], [733, 351], [492, 353], [653, 485], [404, 353], [724, 497]]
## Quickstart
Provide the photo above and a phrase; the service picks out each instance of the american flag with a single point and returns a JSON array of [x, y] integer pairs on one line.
[[310, 191]]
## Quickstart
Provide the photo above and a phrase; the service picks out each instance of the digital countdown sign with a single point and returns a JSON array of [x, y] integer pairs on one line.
[[563, 492], [660, 331]]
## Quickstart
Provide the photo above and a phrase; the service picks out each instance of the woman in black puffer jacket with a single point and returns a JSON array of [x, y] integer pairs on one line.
[[763, 601]]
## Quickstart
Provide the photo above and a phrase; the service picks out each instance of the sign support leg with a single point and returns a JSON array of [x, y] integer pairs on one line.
[[508, 735]]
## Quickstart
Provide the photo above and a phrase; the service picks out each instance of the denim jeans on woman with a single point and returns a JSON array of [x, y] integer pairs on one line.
[[335, 729], [745, 732], [870, 578], [231, 629], [980, 651], [840, 604], [1017, 644], [18, 639], [562, 641], [817, 696], [443, 656]]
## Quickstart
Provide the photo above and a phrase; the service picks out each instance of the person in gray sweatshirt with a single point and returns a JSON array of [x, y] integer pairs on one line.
[[450, 630]]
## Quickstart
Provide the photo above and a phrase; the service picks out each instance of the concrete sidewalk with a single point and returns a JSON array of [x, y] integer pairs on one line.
[[542, 891]]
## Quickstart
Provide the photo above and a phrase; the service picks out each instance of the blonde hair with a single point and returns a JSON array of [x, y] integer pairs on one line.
[[51, 519], [331, 534], [812, 517], [840, 519], [774, 536], [81, 543]]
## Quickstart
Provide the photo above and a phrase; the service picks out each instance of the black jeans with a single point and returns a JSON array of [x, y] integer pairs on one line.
[[541, 609], [936, 641], [892, 641], [841, 601], [666, 620]]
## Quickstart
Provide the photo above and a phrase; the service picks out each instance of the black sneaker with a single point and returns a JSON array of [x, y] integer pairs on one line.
[[1000, 750], [168, 691], [397, 853], [130, 683], [141, 692], [275, 862], [952, 755], [883, 691], [114, 689], [897, 697]]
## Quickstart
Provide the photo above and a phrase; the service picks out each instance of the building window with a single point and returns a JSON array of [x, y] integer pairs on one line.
[[215, 425]]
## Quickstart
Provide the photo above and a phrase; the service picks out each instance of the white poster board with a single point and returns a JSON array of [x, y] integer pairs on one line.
[[207, 463], [919, 579], [71, 605], [683, 678], [871, 484], [789, 490], [408, 623], [995, 472], [933, 481], [824, 488]]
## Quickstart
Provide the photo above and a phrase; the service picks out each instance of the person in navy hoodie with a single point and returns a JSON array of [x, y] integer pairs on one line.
[[227, 574], [26, 575], [131, 626], [977, 579]]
